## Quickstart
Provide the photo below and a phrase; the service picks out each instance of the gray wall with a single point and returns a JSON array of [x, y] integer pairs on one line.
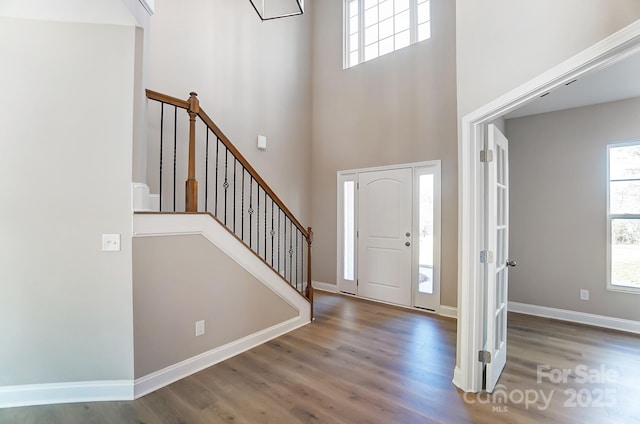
[[558, 206], [65, 178], [251, 77], [398, 108], [179, 280]]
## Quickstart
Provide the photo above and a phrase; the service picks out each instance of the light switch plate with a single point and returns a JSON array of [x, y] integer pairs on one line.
[[199, 328], [262, 142], [111, 242]]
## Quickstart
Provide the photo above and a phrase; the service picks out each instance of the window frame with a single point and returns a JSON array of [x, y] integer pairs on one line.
[[413, 31], [611, 217]]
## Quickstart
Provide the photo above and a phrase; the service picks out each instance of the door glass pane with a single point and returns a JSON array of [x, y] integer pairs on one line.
[[625, 252], [349, 230], [425, 246]]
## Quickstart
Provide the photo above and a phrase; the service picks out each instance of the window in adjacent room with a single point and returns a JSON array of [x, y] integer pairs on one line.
[[623, 217], [376, 27]]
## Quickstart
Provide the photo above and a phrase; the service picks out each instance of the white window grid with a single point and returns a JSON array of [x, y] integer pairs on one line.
[[374, 28]]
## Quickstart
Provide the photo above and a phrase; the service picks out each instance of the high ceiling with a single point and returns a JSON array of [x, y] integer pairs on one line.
[[618, 81]]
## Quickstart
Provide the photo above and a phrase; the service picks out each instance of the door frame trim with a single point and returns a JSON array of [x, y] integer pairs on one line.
[[437, 164], [468, 370]]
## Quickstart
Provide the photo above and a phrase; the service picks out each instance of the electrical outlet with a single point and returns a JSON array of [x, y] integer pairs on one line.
[[584, 294], [111, 242], [199, 328]]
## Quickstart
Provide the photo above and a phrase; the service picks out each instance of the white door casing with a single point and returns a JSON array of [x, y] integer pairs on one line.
[[496, 256], [384, 242], [467, 374]]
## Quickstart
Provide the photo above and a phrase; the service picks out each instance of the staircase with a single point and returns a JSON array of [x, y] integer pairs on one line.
[[229, 190], [220, 247]]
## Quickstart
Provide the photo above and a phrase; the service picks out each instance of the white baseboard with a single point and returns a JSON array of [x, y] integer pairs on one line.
[[448, 311], [175, 372], [72, 392], [326, 287], [577, 317]]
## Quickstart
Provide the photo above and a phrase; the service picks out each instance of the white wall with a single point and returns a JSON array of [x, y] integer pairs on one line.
[[65, 175], [398, 108], [85, 11], [501, 44], [558, 205], [252, 78]]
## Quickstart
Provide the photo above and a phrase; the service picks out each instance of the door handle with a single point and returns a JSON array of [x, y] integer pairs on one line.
[[511, 264], [407, 244]]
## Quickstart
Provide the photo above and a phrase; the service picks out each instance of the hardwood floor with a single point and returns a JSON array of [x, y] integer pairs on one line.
[[363, 362]]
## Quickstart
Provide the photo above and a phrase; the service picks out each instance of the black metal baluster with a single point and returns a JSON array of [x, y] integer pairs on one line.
[[235, 165], [161, 144], [278, 240], [285, 247], [226, 181], [206, 173], [302, 262], [175, 149], [242, 207], [250, 208], [258, 221], [215, 199], [272, 232], [291, 251], [265, 225], [297, 231]]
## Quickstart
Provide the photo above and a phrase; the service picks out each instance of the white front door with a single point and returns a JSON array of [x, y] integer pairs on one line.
[[496, 256], [385, 235]]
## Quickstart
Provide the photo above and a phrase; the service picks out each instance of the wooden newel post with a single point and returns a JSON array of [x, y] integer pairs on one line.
[[309, 292], [191, 185]]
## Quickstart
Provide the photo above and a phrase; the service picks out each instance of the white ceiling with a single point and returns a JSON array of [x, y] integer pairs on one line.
[[618, 81]]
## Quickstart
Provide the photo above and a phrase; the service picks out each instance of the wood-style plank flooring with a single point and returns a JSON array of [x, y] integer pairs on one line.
[[363, 362]]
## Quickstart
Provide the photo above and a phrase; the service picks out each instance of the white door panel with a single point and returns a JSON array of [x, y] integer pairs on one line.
[[384, 248], [497, 279]]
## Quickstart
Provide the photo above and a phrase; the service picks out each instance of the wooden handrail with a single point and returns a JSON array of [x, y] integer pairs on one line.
[[154, 95]]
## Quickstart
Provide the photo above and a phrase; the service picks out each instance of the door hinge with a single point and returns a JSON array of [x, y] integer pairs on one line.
[[486, 155], [357, 281], [486, 256], [484, 356]]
